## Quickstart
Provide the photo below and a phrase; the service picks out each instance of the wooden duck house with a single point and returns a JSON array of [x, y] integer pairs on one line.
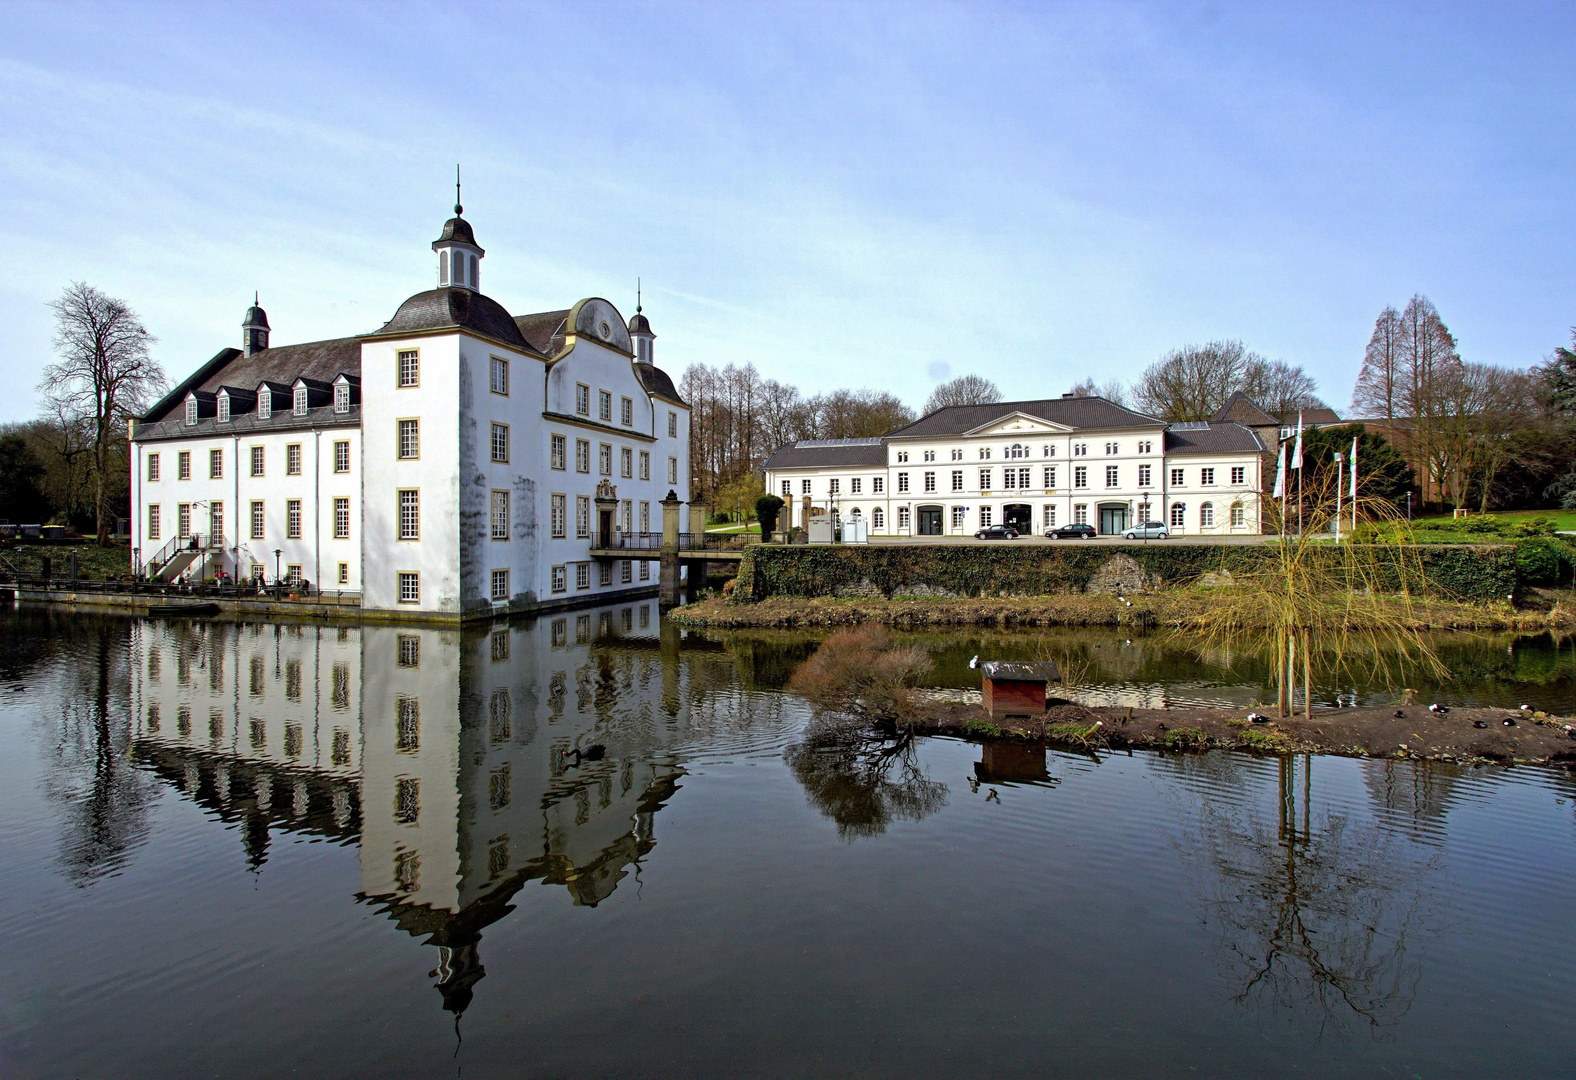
[[1016, 687]]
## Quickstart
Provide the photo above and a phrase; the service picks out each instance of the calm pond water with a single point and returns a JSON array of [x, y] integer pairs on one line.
[[260, 850]]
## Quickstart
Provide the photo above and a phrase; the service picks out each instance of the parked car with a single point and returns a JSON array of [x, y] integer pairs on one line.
[[997, 532], [1149, 530], [1069, 532]]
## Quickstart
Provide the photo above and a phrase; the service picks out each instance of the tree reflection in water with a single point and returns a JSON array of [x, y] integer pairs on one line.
[[1315, 914], [863, 782]]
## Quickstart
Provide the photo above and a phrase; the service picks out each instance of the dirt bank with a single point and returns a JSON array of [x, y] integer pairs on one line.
[[1537, 614], [1366, 732]]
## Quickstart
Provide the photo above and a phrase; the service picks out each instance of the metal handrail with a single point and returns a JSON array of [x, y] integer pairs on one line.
[[652, 541]]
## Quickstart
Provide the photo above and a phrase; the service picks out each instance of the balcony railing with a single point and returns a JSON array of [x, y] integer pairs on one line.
[[652, 541]]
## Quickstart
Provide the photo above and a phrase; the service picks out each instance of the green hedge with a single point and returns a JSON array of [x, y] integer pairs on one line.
[[1468, 572]]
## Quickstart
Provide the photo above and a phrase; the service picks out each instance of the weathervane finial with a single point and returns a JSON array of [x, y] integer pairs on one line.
[[637, 296], [458, 209]]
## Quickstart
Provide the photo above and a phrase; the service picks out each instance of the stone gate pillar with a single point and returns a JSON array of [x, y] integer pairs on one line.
[[668, 576]]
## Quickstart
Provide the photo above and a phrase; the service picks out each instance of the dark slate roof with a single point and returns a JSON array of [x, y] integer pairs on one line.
[[639, 324], [440, 309], [544, 330], [320, 360], [1241, 409], [1076, 412], [1212, 439], [656, 381], [457, 228], [1318, 416], [256, 316], [828, 453]]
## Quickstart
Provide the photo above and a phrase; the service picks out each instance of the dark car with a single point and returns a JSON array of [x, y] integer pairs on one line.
[[1068, 532], [997, 532]]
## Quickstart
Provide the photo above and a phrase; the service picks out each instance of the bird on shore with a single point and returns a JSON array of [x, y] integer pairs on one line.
[[1438, 710], [1257, 718], [1480, 723], [1399, 715], [974, 663], [1526, 708], [1509, 721]]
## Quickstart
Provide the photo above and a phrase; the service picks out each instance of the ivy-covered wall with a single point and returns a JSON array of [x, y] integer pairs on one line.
[[1475, 572]]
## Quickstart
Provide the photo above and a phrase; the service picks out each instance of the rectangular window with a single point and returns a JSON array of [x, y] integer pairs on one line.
[[582, 456], [957, 479], [558, 453], [626, 571], [409, 514], [985, 516], [410, 367], [183, 465], [216, 521], [804, 487], [605, 574], [645, 575], [902, 517], [673, 425], [1049, 476], [645, 517], [257, 519], [831, 486], [224, 408], [1238, 517], [959, 516], [1178, 516], [344, 573], [292, 519], [645, 465], [559, 514], [409, 439], [342, 397], [855, 485], [153, 522], [500, 585], [626, 462], [1239, 474], [1050, 516], [1081, 514], [293, 576], [499, 383], [1206, 515], [582, 575], [293, 459], [257, 461], [604, 405], [409, 651], [582, 516], [582, 399], [215, 464], [902, 481], [1110, 476], [984, 479], [877, 485], [153, 466], [1206, 476], [500, 515], [626, 510], [673, 470], [300, 404], [409, 588], [265, 403], [1009, 478], [191, 410], [626, 411], [341, 519], [930, 481], [183, 519], [1176, 477], [500, 443], [342, 456], [1023, 477], [604, 459], [1144, 475], [1081, 476]]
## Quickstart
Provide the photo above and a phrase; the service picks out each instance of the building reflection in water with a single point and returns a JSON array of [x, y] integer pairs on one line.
[[446, 755]]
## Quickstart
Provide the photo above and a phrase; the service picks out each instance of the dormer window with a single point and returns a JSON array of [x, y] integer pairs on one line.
[[265, 403], [224, 408], [341, 397], [191, 411], [300, 401]]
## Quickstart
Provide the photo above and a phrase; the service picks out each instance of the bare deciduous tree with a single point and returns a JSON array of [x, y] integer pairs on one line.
[[1378, 389], [1278, 386], [964, 390], [105, 377], [1193, 382]]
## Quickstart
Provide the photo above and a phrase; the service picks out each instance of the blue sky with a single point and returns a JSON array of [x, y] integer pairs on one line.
[[842, 194]]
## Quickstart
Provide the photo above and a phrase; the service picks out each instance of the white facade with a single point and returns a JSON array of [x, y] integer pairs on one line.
[[1021, 468], [471, 462]]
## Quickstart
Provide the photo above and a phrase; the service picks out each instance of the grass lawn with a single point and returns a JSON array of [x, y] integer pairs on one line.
[[1563, 519], [753, 528]]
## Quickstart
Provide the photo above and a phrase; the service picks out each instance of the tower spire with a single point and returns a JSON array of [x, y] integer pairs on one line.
[[637, 296], [458, 209]]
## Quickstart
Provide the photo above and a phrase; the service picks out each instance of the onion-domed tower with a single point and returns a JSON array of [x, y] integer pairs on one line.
[[458, 255], [254, 329]]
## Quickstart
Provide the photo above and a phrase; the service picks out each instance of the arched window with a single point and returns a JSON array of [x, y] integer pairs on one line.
[[1206, 515], [1017, 450], [1178, 515], [443, 268], [877, 519], [472, 276]]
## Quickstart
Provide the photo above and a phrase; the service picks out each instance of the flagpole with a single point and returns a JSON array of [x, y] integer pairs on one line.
[[1339, 487], [1297, 464], [1354, 486]]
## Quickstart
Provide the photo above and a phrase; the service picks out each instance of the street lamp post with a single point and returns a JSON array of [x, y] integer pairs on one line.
[[277, 552]]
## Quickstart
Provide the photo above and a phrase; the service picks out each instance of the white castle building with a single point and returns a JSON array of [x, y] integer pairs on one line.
[[1034, 465], [456, 462]]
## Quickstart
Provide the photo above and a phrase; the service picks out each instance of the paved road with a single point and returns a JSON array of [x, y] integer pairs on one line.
[[1023, 541]]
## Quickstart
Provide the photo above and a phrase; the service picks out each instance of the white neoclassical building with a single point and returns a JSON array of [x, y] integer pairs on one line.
[[455, 462], [1034, 465]]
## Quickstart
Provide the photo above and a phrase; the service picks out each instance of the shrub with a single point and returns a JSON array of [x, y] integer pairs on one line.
[[767, 507], [862, 670], [1187, 738]]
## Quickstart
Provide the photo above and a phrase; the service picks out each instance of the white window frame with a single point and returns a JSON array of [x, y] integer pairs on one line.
[[407, 368]]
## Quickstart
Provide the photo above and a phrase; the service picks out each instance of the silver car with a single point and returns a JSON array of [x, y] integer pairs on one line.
[[1149, 530]]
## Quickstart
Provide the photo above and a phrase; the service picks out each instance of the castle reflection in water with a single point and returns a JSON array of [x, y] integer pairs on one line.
[[441, 753]]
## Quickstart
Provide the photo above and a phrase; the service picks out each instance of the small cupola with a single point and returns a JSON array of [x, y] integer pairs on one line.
[[254, 330], [458, 255], [640, 332]]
